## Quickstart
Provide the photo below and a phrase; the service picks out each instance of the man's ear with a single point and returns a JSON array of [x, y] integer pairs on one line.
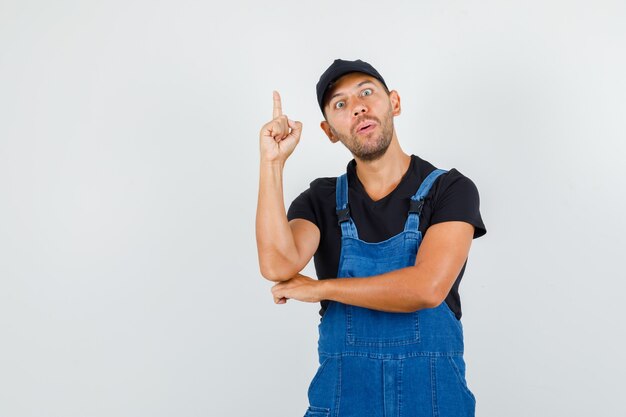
[[394, 97], [326, 128]]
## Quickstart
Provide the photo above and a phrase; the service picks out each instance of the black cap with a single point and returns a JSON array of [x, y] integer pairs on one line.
[[338, 69]]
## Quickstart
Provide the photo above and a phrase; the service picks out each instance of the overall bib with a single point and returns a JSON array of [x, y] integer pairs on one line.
[[381, 364]]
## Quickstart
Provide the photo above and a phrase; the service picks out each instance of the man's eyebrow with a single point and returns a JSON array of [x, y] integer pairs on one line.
[[358, 85], [364, 82]]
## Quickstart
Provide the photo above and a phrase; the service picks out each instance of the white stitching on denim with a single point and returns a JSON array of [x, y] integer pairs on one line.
[[400, 385], [433, 386], [338, 388]]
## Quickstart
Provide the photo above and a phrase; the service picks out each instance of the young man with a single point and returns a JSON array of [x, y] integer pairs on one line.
[[390, 336]]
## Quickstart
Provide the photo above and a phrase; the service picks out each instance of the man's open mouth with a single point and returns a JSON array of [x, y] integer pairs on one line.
[[365, 127]]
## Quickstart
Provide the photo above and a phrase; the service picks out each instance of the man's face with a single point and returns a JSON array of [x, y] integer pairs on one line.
[[359, 113]]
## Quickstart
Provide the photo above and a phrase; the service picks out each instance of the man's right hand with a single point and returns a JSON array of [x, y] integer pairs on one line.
[[280, 136]]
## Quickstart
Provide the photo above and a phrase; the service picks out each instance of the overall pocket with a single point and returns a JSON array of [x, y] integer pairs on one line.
[[317, 412], [322, 392], [457, 364], [367, 327], [452, 395], [317, 377]]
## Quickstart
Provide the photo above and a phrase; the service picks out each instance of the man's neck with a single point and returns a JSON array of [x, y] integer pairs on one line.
[[383, 175]]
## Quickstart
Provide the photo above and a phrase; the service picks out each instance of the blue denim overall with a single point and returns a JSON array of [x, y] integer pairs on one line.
[[381, 364]]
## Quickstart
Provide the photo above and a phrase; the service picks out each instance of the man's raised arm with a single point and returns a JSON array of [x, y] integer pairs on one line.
[[284, 248]]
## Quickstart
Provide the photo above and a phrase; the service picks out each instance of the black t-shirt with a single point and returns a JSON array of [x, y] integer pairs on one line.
[[453, 197]]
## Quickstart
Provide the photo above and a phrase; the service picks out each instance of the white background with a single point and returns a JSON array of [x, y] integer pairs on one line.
[[129, 283]]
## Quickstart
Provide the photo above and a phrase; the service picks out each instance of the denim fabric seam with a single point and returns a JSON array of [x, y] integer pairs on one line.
[[341, 257], [433, 386], [406, 235], [371, 355], [338, 393], [400, 384], [349, 336]]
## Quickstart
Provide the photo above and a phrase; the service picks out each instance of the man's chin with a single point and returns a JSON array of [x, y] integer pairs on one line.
[[371, 156]]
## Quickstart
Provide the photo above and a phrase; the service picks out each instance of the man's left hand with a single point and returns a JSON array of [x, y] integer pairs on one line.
[[300, 287]]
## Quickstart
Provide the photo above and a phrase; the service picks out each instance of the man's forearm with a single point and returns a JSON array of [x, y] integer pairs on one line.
[[402, 290], [275, 243]]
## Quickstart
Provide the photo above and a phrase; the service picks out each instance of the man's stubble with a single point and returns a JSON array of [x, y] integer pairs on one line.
[[361, 148]]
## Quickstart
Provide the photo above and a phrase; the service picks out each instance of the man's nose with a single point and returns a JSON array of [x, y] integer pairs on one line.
[[359, 108]]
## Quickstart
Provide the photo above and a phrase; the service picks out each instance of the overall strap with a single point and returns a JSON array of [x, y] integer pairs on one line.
[[417, 200], [348, 228]]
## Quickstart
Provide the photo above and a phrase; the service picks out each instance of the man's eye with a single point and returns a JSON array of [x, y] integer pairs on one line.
[[339, 104], [367, 92]]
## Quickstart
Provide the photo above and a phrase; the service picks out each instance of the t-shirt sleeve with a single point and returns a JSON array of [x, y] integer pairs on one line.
[[458, 200], [302, 207]]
